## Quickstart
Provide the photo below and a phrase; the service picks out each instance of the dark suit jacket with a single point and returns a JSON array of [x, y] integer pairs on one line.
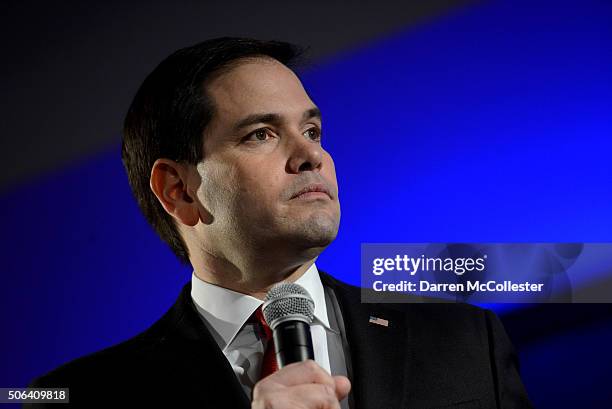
[[429, 356]]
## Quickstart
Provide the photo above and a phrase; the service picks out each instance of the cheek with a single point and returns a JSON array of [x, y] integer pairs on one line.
[[329, 171], [332, 169], [259, 189], [218, 186]]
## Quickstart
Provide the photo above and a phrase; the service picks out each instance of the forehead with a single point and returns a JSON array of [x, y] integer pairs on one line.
[[257, 85]]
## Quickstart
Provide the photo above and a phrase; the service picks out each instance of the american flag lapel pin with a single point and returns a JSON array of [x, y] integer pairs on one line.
[[379, 321]]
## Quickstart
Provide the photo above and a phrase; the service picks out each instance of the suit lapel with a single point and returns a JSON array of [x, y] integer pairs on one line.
[[378, 353], [197, 362]]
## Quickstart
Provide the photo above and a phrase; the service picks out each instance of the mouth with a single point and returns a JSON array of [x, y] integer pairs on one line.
[[313, 191]]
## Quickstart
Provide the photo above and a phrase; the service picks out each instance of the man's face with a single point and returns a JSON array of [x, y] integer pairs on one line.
[[250, 173]]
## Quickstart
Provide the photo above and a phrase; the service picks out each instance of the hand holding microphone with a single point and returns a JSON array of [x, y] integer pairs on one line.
[[300, 382]]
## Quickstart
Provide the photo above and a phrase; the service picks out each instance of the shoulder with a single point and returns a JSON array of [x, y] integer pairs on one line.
[[420, 312], [108, 364], [444, 341], [119, 364]]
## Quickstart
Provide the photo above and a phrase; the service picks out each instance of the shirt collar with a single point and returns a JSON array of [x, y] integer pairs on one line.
[[226, 310]]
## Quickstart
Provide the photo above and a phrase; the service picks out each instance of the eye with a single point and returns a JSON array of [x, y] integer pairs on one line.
[[313, 133], [259, 135]]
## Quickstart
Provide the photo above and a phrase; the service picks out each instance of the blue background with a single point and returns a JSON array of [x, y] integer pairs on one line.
[[489, 124]]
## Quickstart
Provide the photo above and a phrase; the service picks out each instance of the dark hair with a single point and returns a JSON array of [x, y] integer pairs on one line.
[[171, 110]]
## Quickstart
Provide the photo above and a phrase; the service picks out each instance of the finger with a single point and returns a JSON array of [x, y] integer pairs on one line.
[[343, 386], [313, 396], [302, 373]]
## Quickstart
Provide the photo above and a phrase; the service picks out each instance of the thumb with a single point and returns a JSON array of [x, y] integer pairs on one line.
[[343, 386]]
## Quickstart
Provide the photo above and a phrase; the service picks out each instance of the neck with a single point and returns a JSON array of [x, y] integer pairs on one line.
[[254, 279]]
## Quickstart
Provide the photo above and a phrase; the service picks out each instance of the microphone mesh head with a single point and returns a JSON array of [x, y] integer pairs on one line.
[[287, 301]]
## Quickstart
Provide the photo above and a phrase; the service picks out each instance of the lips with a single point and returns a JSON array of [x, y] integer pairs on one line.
[[315, 187]]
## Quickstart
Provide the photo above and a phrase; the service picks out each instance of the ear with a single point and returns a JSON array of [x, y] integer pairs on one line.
[[169, 182]]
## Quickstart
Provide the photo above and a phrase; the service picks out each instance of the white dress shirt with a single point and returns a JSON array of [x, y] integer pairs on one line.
[[225, 313]]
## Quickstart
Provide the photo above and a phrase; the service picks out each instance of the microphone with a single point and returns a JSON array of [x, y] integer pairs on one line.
[[288, 310]]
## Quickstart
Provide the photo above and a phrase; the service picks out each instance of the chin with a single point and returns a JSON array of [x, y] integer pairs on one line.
[[317, 232]]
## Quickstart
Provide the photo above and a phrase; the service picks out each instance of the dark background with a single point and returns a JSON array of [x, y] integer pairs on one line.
[[448, 121]]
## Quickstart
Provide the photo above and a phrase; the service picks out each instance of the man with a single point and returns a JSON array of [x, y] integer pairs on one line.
[[222, 147]]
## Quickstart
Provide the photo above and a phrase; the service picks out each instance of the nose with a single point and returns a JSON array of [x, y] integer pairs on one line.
[[304, 154]]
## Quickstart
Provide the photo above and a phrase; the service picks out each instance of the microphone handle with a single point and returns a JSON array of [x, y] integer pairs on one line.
[[292, 342]]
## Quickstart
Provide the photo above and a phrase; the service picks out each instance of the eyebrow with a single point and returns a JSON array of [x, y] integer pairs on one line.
[[273, 117]]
